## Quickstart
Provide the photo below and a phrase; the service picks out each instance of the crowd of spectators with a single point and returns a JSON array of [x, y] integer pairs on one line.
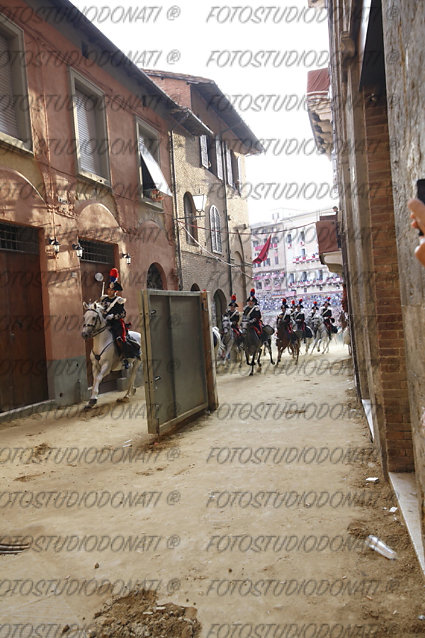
[[274, 303]]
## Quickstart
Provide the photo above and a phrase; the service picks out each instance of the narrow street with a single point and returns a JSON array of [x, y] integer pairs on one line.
[[255, 515]]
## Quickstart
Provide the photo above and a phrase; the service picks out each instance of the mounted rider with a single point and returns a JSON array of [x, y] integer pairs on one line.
[[252, 313], [114, 311], [326, 312], [234, 315], [299, 318], [314, 310], [285, 318]]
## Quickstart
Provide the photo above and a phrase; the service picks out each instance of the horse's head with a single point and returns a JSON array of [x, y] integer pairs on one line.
[[244, 325], [93, 320], [225, 322]]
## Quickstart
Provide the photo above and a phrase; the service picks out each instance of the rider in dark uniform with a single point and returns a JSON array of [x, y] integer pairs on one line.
[[234, 316], [299, 318], [326, 312], [314, 310], [114, 313], [252, 313], [285, 318]]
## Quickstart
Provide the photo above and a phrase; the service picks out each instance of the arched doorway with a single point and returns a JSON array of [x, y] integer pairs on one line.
[[155, 278], [218, 307], [194, 288]]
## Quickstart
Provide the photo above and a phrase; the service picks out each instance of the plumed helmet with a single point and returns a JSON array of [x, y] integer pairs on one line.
[[233, 301], [115, 285], [113, 275]]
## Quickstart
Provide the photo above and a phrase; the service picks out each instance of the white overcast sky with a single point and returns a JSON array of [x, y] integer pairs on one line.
[[296, 36]]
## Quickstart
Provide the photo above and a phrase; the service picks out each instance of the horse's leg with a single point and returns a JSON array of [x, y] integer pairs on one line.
[[252, 365], [269, 346], [102, 371], [279, 352], [134, 367]]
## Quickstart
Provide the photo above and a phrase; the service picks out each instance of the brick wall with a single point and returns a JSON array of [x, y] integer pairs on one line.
[[389, 320]]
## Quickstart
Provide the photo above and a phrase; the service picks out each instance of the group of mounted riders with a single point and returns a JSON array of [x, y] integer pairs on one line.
[[292, 318]]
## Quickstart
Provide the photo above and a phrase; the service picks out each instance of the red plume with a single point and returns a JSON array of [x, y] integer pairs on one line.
[[233, 297], [113, 274], [252, 291]]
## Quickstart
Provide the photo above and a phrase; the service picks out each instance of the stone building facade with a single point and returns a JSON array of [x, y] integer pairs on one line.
[[213, 235], [378, 106], [84, 164]]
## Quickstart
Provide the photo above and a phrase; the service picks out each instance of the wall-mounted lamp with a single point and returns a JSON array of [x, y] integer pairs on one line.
[[127, 258], [199, 202], [56, 245], [78, 249]]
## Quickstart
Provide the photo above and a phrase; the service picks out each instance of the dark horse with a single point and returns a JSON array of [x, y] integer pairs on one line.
[[253, 344], [284, 340]]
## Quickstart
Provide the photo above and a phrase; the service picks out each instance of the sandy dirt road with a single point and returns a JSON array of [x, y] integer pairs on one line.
[[255, 515]]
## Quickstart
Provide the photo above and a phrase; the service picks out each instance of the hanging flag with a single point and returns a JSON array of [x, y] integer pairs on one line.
[[262, 256]]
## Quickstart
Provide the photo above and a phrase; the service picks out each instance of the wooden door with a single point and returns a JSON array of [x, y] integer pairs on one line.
[[23, 372]]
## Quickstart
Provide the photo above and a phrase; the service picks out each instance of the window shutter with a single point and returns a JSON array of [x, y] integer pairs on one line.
[[153, 168], [204, 151], [8, 122], [87, 138], [218, 231], [229, 166], [219, 158], [212, 227]]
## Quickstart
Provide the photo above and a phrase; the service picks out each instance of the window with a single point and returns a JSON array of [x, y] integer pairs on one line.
[[291, 277], [304, 276], [229, 167], [320, 275], [15, 125], [98, 252], [153, 183], [211, 157], [276, 259], [190, 219], [289, 238], [259, 285], [233, 169], [302, 252], [90, 129], [215, 226], [302, 236]]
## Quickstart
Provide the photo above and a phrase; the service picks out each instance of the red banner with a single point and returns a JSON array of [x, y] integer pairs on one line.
[[264, 252]]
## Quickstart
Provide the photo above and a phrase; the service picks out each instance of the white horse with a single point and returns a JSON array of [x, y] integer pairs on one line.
[[218, 345], [320, 334], [229, 341], [309, 338], [104, 357]]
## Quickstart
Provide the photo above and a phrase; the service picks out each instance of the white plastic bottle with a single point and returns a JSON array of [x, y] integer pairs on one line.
[[379, 546]]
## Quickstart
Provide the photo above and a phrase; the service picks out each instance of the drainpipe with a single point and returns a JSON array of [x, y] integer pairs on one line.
[[175, 210], [223, 160]]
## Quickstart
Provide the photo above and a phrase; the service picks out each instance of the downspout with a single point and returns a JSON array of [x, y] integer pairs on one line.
[[224, 163], [175, 212]]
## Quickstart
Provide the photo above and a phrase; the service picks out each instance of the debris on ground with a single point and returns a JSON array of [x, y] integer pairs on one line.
[[137, 615]]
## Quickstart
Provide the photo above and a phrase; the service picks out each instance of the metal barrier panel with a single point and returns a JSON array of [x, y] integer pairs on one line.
[[177, 357]]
